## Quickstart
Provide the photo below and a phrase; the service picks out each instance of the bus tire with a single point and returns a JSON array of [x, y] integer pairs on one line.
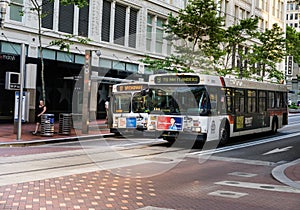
[[224, 133], [274, 125]]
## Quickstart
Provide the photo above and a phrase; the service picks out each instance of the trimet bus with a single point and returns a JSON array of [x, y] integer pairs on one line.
[[129, 108], [204, 107]]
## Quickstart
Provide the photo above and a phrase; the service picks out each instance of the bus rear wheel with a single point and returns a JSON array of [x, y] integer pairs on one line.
[[224, 133]]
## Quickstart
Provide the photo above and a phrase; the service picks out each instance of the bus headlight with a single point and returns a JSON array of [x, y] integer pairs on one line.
[[196, 129]]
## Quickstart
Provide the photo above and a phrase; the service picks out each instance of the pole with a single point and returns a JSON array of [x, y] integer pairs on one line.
[[86, 92], [22, 65]]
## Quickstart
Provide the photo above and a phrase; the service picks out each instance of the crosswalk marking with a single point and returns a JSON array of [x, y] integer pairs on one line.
[[228, 194], [268, 187], [242, 174], [153, 208]]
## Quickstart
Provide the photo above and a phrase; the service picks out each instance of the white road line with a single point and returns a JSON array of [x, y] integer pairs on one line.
[[228, 194], [259, 186], [238, 160], [249, 144]]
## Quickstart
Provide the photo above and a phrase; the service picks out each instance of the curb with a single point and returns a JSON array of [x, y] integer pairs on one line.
[[278, 174], [53, 140]]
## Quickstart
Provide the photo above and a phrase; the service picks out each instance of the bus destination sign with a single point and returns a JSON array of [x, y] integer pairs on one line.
[[175, 79], [131, 87]]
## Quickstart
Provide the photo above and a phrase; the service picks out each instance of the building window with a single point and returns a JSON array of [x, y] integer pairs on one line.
[[16, 7], [159, 35], [124, 24], [132, 27], [47, 9], [10, 48], [106, 21], [65, 57], [120, 21], [150, 20], [83, 24], [66, 18]]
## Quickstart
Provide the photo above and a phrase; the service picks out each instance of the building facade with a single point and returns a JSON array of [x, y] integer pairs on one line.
[[124, 31]]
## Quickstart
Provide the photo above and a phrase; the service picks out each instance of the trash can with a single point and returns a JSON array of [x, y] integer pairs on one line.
[[65, 123], [47, 125]]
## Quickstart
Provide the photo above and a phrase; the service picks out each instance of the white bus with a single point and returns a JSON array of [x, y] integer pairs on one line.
[[204, 107], [129, 108]]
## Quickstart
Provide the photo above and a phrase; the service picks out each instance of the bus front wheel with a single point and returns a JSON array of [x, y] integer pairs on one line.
[[224, 133]]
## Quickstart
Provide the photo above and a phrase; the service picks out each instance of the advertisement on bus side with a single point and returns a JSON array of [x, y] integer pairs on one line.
[[169, 123]]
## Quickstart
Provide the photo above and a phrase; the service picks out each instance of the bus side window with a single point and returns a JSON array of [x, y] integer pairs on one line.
[[239, 101], [227, 106], [262, 101], [271, 100]]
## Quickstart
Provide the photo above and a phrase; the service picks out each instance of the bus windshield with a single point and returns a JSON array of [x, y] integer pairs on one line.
[[181, 100], [122, 103], [141, 103]]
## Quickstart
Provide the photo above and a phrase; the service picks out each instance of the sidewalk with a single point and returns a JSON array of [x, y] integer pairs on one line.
[[9, 138]]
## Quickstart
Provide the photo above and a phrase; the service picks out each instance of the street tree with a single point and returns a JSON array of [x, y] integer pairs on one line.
[[268, 53], [195, 33], [293, 43], [64, 42], [236, 46]]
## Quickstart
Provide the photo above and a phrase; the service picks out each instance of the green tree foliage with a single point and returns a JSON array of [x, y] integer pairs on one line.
[[268, 53], [235, 42], [195, 33], [293, 43], [202, 44]]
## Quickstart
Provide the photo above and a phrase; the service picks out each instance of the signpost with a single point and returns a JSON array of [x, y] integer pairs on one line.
[[86, 92]]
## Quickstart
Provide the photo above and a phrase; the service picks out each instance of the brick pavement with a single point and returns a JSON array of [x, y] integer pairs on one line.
[[8, 132]]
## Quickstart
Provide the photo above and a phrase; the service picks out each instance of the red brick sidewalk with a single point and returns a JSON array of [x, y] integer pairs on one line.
[[8, 132]]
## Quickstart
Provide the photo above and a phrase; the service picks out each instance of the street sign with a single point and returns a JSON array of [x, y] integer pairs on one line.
[[289, 65], [12, 81]]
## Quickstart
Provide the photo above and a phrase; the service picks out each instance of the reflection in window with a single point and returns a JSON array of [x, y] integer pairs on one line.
[[239, 101], [271, 100], [262, 101], [251, 101], [122, 103], [141, 103]]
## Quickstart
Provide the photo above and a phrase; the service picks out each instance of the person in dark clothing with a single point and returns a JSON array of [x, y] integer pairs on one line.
[[40, 110]]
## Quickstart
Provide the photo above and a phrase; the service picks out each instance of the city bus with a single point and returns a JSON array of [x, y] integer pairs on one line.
[[129, 108], [205, 107]]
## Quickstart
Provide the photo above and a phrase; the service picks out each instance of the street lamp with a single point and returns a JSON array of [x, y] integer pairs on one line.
[[3, 6]]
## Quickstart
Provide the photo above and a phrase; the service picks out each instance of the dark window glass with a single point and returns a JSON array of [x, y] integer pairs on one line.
[[132, 28], [47, 9], [83, 24], [262, 106], [66, 18], [105, 21], [251, 101], [239, 101], [120, 19]]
